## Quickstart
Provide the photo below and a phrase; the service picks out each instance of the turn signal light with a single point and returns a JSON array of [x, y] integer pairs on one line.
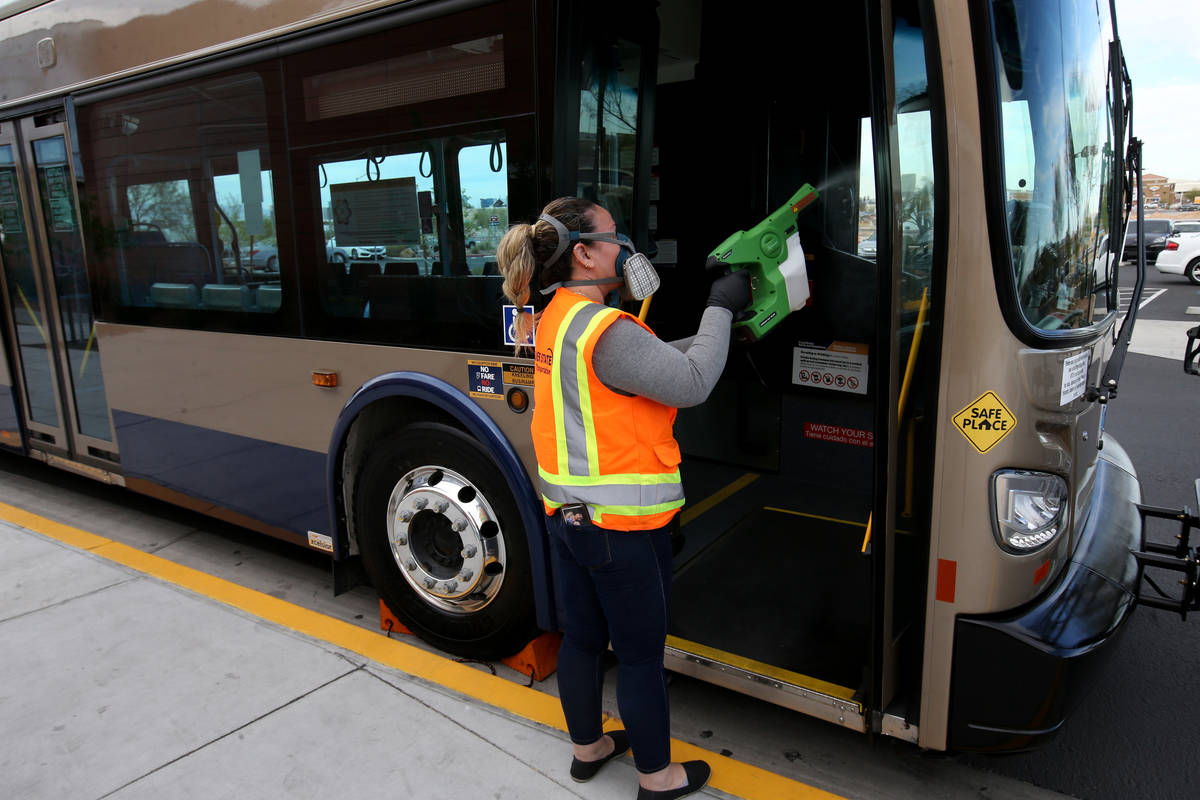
[[518, 400], [325, 378]]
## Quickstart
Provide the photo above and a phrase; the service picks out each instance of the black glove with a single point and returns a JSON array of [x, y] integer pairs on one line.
[[731, 291]]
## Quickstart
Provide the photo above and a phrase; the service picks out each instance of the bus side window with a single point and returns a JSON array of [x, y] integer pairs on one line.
[[483, 185], [188, 207]]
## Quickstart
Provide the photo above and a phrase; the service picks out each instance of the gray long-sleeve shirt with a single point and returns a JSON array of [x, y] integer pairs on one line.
[[630, 359]]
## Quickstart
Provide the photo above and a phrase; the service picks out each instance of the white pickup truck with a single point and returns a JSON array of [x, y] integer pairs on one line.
[[1181, 256]]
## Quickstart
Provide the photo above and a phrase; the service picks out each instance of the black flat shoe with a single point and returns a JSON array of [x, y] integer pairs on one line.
[[698, 773], [583, 771]]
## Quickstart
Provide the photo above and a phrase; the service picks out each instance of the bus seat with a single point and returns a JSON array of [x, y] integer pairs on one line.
[[401, 268], [231, 297], [360, 271], [491, 268], [175, 295], [163, 262], [270, 298]]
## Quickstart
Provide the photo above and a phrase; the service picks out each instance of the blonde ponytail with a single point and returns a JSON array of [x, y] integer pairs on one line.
[[515, 258], [523, 247]]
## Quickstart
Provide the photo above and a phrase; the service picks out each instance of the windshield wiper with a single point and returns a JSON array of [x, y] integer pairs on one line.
[[1122, 123]]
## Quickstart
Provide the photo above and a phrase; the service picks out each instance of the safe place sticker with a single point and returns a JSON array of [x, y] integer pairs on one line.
[[985, 421]]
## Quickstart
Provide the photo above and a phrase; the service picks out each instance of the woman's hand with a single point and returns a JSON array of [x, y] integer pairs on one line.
[[731, 291]]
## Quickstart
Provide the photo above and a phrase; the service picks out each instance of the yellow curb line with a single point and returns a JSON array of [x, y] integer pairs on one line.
[[729, 775]]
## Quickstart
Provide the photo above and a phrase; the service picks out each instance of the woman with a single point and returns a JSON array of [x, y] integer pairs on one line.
[[605, 393]]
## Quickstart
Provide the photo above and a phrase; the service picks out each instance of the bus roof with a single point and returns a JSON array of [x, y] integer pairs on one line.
[[91, 44]]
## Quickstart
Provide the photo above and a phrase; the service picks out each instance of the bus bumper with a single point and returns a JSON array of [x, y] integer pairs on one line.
[[1017, 675]]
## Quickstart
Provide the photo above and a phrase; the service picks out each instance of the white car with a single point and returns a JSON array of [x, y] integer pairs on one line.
[[364, 252], [1182, 257]]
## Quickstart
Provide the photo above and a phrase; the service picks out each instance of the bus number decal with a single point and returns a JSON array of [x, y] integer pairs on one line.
[[485, 379], [985, 421]]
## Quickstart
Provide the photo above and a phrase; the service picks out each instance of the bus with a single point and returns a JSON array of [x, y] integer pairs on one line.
[[249, 268]]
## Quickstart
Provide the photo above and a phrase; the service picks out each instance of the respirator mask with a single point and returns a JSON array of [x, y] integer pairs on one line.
[[641, 280]]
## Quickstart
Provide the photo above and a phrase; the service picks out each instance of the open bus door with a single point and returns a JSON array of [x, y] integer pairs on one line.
[[50, 322], [779, 592]]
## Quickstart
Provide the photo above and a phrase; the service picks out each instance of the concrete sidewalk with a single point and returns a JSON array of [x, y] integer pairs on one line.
[[117, 684]]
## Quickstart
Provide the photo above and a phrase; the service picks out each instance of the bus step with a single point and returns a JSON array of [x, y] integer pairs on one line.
[[538, 659], [1180, 558]]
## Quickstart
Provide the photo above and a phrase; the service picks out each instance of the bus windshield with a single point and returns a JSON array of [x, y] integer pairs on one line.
[[1051, 62]]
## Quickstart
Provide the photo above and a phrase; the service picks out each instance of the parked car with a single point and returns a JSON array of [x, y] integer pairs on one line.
[[1157, 232], [867, 247], [261, 256], [1100, 264], [1181, 257], [360, 252], [1185, 226]]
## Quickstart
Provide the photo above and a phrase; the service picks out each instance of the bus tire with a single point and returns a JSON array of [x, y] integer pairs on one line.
[[443, 542], [1193, 271]]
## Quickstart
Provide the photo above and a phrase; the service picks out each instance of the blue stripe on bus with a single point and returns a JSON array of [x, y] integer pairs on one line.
[[454, 401], [279, 485]]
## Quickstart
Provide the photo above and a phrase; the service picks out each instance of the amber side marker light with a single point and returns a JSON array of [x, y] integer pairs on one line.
[[518, 401], [326, 378]]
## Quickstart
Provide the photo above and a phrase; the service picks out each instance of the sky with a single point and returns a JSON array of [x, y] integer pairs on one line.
[[1162, 51]]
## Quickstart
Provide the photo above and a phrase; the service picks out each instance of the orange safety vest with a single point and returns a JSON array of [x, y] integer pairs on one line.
[[613, 452]]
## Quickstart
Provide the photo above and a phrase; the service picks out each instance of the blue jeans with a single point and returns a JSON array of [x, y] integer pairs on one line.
[[615, 585]]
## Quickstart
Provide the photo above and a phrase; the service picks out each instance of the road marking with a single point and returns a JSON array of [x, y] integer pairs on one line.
[[730, 775], [1194, 310], [1151, 298]]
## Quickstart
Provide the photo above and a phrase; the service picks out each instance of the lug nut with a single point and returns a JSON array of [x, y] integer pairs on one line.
[[404, 516], [429, 582], [410, 566], [451, 586], [421, 502], [469, 552], [465, 574], [460, 526], [402, 540], [442, 506]]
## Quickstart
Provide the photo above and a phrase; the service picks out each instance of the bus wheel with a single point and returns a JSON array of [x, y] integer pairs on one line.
[[1193, 271], [443, 543]]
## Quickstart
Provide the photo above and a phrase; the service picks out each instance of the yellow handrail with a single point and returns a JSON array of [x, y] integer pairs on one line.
[[904, 387]]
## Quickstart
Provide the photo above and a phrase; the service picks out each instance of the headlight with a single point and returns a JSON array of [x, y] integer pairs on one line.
[[1028, 509]]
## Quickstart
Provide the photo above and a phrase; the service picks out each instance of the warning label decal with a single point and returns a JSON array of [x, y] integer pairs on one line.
[[485, 379], [985, 421], [841, 367]]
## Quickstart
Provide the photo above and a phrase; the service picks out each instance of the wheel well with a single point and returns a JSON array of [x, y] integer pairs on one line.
[[385, 414]]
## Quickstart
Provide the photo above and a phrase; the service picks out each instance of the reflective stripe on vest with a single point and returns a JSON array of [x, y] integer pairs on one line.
[[579, 479]]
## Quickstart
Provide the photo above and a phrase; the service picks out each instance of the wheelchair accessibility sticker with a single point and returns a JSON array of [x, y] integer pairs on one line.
[[510, 325]]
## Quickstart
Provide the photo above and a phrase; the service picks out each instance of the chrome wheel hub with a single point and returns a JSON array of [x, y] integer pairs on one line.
[[446, 540]]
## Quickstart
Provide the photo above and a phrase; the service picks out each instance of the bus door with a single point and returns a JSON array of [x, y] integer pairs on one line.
[[777, 592], [55, 353]]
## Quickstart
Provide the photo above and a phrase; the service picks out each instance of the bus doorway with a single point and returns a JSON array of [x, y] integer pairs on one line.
[[64, 410], [794, 457]]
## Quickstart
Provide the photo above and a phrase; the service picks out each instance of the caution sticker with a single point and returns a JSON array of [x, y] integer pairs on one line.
[[985, 421], [518, 374], [485, 379]]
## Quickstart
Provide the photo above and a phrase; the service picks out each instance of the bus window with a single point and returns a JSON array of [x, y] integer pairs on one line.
[[181, 185], [1052, 82], [410, 237], [161, 211], [608, 118], [485, 204]]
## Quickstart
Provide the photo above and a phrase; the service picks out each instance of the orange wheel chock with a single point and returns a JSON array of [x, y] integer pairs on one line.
[[538, 659]]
